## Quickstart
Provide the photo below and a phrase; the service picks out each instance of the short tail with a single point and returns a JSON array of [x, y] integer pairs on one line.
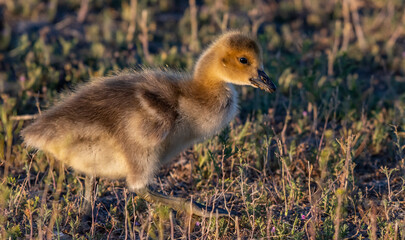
[[36, 135]]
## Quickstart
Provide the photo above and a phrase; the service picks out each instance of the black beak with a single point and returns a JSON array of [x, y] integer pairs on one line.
[[263, 82]]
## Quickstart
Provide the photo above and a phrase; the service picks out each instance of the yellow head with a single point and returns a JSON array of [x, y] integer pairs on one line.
[[235, 58]]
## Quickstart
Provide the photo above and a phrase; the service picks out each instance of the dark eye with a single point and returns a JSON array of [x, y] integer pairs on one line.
[[243, 60]]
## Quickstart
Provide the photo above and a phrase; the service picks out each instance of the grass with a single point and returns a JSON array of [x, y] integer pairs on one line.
[[323, 158]]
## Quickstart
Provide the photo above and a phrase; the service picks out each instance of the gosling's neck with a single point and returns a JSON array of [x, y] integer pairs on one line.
[[207, 79], [213, 97], [217, 99]]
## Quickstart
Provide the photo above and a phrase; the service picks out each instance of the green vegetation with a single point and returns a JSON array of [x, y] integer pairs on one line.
[[323, 158]]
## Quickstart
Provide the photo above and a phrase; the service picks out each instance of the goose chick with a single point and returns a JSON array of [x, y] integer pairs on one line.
[[128, 126]]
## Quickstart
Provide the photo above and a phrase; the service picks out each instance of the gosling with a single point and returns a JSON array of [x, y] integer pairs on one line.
[[128, 126]]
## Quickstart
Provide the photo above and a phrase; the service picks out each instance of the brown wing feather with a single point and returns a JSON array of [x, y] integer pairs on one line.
[[108, 105]]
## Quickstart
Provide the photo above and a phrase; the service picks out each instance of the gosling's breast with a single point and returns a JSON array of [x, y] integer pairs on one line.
[[207, 119]]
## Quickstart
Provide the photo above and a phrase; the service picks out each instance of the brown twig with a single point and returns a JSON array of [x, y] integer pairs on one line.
[[347, 28], [24, 117], [348, 160], [397, 33], [338, 219], [332, 54], [257, 22], [373, 221], [357, 25], [171, 225], [194, 44], [84, 8], [286, 121], [132, 22], [143, 37]]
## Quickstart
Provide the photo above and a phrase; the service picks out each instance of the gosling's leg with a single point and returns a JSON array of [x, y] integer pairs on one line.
[[88, 195], [181, 204]]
